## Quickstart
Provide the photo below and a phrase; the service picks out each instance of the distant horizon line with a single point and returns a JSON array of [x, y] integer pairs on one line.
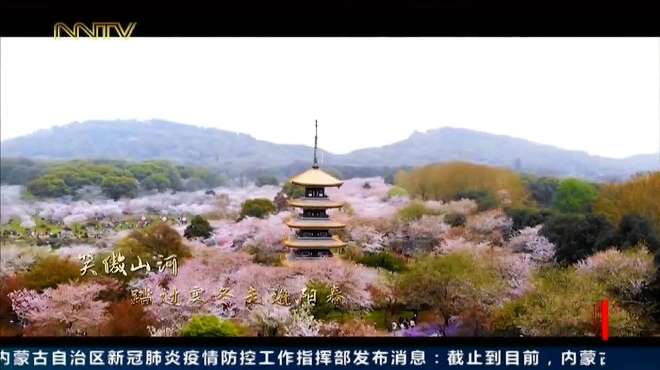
[[414, 131]]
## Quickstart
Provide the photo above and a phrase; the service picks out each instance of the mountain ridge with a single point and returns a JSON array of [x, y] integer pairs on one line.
[[183, 143]]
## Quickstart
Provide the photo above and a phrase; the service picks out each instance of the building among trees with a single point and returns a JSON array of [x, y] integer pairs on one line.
[[313, 227]]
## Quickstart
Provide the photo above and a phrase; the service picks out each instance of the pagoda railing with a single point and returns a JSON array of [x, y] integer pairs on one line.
[[313, 237], [300, 215]]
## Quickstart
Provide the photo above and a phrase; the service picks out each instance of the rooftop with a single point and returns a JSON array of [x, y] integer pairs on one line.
[[316, 177]]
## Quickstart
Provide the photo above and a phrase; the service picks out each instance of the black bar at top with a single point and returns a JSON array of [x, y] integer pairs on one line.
[[342, 17]]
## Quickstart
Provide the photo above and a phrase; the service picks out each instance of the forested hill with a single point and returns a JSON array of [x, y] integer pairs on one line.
[[454, 144], [154, 139], [157, 139]]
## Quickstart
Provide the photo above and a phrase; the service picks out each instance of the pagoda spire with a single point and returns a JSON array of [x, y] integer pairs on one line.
[[316, 141]]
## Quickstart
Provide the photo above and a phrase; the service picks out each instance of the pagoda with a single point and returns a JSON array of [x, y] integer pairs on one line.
[[313, 227]]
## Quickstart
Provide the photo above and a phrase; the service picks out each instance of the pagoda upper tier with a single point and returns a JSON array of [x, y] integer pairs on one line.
[[314, 177]]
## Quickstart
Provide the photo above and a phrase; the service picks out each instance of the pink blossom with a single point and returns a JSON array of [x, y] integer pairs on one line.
[[353, 280], [528, 240], [15, 259], [205, 274], [368, 237], [267, 233], [463, 206], [428, 227], [489, 221], [76, 307], [211, 269], [80, 211], [367, 203], [517, 271], [514, 268], [627, 272], [302, 323], [460, 244]]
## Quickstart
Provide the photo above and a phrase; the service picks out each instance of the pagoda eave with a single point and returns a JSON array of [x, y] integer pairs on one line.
[[314, 224], [316, 184], [314, 203], [333, 242]]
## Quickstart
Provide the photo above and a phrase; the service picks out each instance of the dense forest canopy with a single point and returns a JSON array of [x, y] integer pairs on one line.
[[115, 178]]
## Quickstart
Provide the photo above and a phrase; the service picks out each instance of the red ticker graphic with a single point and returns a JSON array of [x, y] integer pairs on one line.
[[604, 324]]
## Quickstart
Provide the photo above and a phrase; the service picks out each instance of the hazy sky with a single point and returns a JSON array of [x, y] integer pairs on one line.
[[601, 95]]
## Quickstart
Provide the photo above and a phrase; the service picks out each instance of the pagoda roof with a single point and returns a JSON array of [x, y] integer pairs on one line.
[[314, 203], [333, 242], [316, 177], [300, 223]]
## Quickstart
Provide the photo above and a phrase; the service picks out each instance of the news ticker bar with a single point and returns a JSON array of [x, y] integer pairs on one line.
[[318, 355]]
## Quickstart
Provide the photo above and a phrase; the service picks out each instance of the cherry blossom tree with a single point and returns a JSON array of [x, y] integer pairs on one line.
[[514, 268], [267, 233], [369, 203], [302, 322], [196, 286], [76, 309], [626, 273], [428, 226], [490, 221], [15, 259], [464, 207], [368, 237], [528, 240]]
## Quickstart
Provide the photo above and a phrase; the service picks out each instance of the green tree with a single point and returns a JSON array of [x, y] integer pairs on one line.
[[577, 236], [264, 256], [159, 239], [116, 187], [455, 219], [156, 181], [444, 181], [210, 326], [385, 260], [542, 189], [50, 271], [19, 171], [575, 196], [292, 190], [258, 207], [143, 170], [485, 199], [527, 217], [397, 191], [199, 228], [266, 180], [48, 186], [637, 196], [324, 305], [636, 229], [562, 304], [449, 284], [413, 211]]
